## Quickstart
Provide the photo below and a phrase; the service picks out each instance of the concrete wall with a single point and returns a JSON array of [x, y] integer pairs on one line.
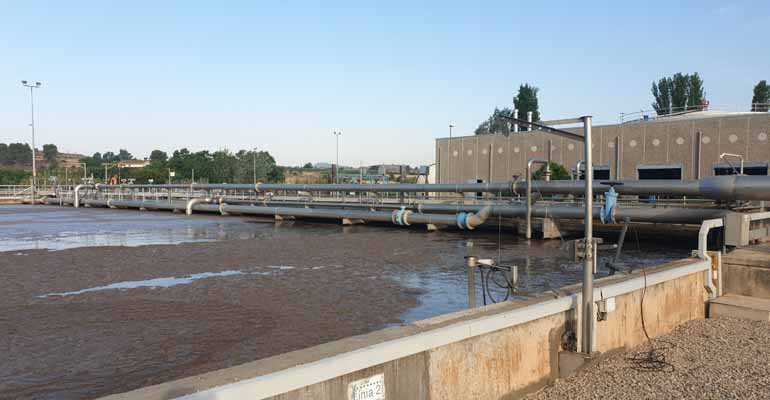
[[661, 142], [494, 352], [746, 272]]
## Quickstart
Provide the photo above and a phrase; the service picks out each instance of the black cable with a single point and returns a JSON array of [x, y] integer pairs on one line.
[[652, 360]]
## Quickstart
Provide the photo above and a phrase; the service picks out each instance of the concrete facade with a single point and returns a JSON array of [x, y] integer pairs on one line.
[[668, 142]]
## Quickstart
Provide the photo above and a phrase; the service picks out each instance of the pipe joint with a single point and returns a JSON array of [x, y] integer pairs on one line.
[[462, 220], [607, 213], [400, 217]]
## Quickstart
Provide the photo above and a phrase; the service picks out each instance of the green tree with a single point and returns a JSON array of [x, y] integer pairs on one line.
[[19, 154], [558, 173], [158, 156], [308, 166], [681, 92], [50, 152], [123, 155], [525, 101], [496, 124], [761, 100], [3, 153]]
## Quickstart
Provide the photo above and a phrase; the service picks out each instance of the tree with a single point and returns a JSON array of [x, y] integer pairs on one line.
[[525, 101], [761, 100], [3, 153], [496, 123], [681, 92], [50, 151], [123, 155], [308, 166], [158, 156], [19, 153], [558, 173]]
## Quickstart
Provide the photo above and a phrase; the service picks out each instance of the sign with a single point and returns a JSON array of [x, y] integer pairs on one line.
[[172, 174], [371, 388]]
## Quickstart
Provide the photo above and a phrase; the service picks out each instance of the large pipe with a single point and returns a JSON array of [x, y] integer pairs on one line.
[[726, 188], [529, 193], [673, 215], [479, 217], [77, 194], [192, 202], [398, 217]]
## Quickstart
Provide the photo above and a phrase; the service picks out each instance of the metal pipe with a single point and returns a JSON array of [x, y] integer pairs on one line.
[[723, 155], [726, 188], [674, 215], [192, 202], [516, 124], [478, 218], [621, 239], [698, 154], [618, 157], [588, 260], [529, 119], [576, 177], [703, 234], [77, 194], [529, 194]]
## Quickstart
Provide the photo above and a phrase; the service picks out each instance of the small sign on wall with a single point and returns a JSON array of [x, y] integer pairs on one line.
[[371, 388]]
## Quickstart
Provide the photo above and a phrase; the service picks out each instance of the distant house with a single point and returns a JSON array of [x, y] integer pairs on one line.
[[133, 163]]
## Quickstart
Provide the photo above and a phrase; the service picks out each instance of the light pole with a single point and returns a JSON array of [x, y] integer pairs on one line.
[[449, 154], [31, 87], [254, 156], [85, 170], [337, 135]]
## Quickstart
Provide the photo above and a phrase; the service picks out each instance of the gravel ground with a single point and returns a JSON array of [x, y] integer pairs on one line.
[[712, 359]]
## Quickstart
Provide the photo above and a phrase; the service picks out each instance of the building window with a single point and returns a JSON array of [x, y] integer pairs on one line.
[[660, 172], [748, 169]]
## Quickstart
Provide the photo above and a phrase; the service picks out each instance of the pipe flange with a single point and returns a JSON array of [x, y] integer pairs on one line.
[[405, 217]]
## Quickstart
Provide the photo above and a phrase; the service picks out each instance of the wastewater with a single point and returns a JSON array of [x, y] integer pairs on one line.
[[442, 286]]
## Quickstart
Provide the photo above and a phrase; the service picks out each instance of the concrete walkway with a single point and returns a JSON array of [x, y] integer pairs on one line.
[[721, 358]]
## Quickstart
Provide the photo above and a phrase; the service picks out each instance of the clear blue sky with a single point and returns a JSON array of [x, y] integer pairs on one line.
[[281, 76]]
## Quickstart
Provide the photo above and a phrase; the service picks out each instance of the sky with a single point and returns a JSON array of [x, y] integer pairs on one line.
[[391, 76]]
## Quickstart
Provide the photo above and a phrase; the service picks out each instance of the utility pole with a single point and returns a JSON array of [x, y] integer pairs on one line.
[[31, 87], [254, 157], [449, 154], [337, 135]]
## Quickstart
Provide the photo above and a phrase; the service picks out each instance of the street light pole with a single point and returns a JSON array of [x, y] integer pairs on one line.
[[254, 150], [449, 155], [337, 135], [31, 87]]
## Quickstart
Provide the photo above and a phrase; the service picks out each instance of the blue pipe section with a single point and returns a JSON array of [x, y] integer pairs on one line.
[[462, 220], [610, 202], [400, 217]]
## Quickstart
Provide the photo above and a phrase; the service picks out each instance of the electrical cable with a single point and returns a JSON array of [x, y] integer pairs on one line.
[[654, 359]]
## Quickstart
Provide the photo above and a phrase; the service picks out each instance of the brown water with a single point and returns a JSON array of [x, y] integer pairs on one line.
[[137, 298]]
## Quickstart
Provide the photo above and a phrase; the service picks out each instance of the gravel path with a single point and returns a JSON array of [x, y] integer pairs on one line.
[[712, 359]]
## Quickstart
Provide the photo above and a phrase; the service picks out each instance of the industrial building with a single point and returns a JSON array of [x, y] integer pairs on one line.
[[683, 147]]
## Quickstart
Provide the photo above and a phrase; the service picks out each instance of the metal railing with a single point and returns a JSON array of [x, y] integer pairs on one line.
[[652, 114]]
